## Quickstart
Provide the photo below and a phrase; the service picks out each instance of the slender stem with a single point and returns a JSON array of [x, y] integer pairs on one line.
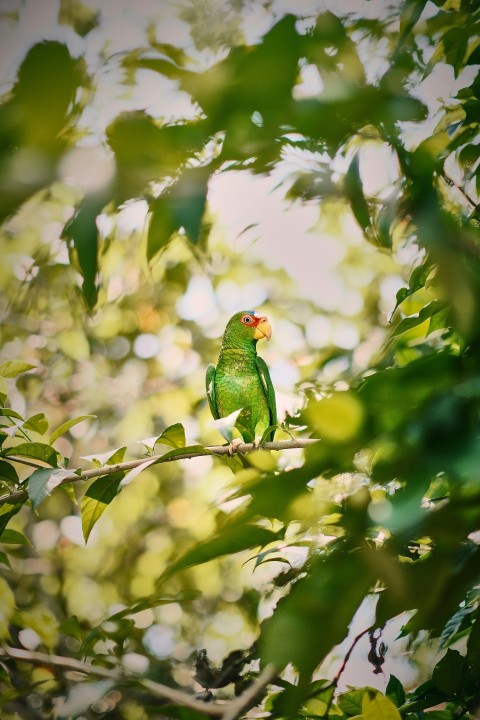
[[341, 670], [451, 182], [19, 496], [155, 689]]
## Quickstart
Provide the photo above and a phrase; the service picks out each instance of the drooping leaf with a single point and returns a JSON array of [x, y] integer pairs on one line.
[[13, 537], [65, 427], [42, 482], [395, 691], [82, 232], [97, 498], [354, 192], [231, 540]]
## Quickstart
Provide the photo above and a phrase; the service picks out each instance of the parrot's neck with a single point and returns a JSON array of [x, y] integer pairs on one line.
[[239, 345]]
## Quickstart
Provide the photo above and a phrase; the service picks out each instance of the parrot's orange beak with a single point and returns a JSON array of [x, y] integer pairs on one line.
[[263, 329]]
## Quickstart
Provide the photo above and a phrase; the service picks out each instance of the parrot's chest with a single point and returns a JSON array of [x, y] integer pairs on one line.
[[238, 385]]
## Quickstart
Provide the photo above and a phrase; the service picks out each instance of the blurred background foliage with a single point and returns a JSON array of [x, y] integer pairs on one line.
[[162, 167]]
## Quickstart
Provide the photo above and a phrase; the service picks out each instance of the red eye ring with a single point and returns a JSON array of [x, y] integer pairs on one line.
[[247, 319]]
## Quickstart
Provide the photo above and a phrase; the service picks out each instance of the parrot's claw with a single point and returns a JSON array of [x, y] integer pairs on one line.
[[234, 445]]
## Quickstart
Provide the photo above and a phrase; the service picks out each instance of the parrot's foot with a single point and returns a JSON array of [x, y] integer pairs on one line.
[[233, 447]]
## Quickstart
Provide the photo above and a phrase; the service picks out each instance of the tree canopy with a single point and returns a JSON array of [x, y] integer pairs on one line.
[[161, 168]]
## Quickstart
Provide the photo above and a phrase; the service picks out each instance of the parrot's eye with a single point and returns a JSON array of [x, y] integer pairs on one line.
[[247, 319]]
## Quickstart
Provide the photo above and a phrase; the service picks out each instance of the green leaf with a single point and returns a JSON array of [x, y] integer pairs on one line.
[[173, 436], [8, 473], [411, 11], [395, 691], [350, 703], [13, 537], [131, 474], [37, 423], [64, 427], [230, 541], [98, 496], [354, 192], [82, 231], [161, 227], [8, 412], [408, 323], [286, 637], [42, 482], [12, 368], [37, 451], [379, 707], [449, 674], [4, 559], [7, 511], [473, 648]]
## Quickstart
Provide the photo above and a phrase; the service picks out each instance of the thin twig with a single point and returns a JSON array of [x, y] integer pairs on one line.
[[19, 496], [341, 670], [155, 689], [451, 182], [251, 696]]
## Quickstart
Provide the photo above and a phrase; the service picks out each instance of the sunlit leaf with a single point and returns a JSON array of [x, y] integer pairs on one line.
[[38, 423], [97, 498], [173, 436], [376, 706], [65, 427], [12, 368]]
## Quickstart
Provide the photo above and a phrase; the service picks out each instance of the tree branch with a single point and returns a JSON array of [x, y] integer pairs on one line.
[[227, 711], [336, 679], [163, 692], [19, 496], [461, 189]]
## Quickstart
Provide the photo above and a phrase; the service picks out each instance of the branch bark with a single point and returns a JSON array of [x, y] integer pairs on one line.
[[227, 711], [20, 496]]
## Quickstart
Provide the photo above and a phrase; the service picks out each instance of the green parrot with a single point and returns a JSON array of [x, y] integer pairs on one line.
[[241, 381]]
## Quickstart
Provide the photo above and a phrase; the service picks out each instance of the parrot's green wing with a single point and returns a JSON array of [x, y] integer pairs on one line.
[[210, 383], [269, 390]]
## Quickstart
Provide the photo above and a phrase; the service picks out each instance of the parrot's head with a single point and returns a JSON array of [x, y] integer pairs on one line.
[[246, 327]]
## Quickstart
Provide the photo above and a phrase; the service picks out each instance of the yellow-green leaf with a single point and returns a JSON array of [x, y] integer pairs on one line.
[[64, 427], [12, 368], [379, 707]]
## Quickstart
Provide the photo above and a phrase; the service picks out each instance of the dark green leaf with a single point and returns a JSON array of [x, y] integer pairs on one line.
[[8, 473], [231, 540], [411, 11], [395, 691], [82, 231], [4, 559], [13, 537], [354, 192], [473, 648], [449, 674], [37, 451]]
